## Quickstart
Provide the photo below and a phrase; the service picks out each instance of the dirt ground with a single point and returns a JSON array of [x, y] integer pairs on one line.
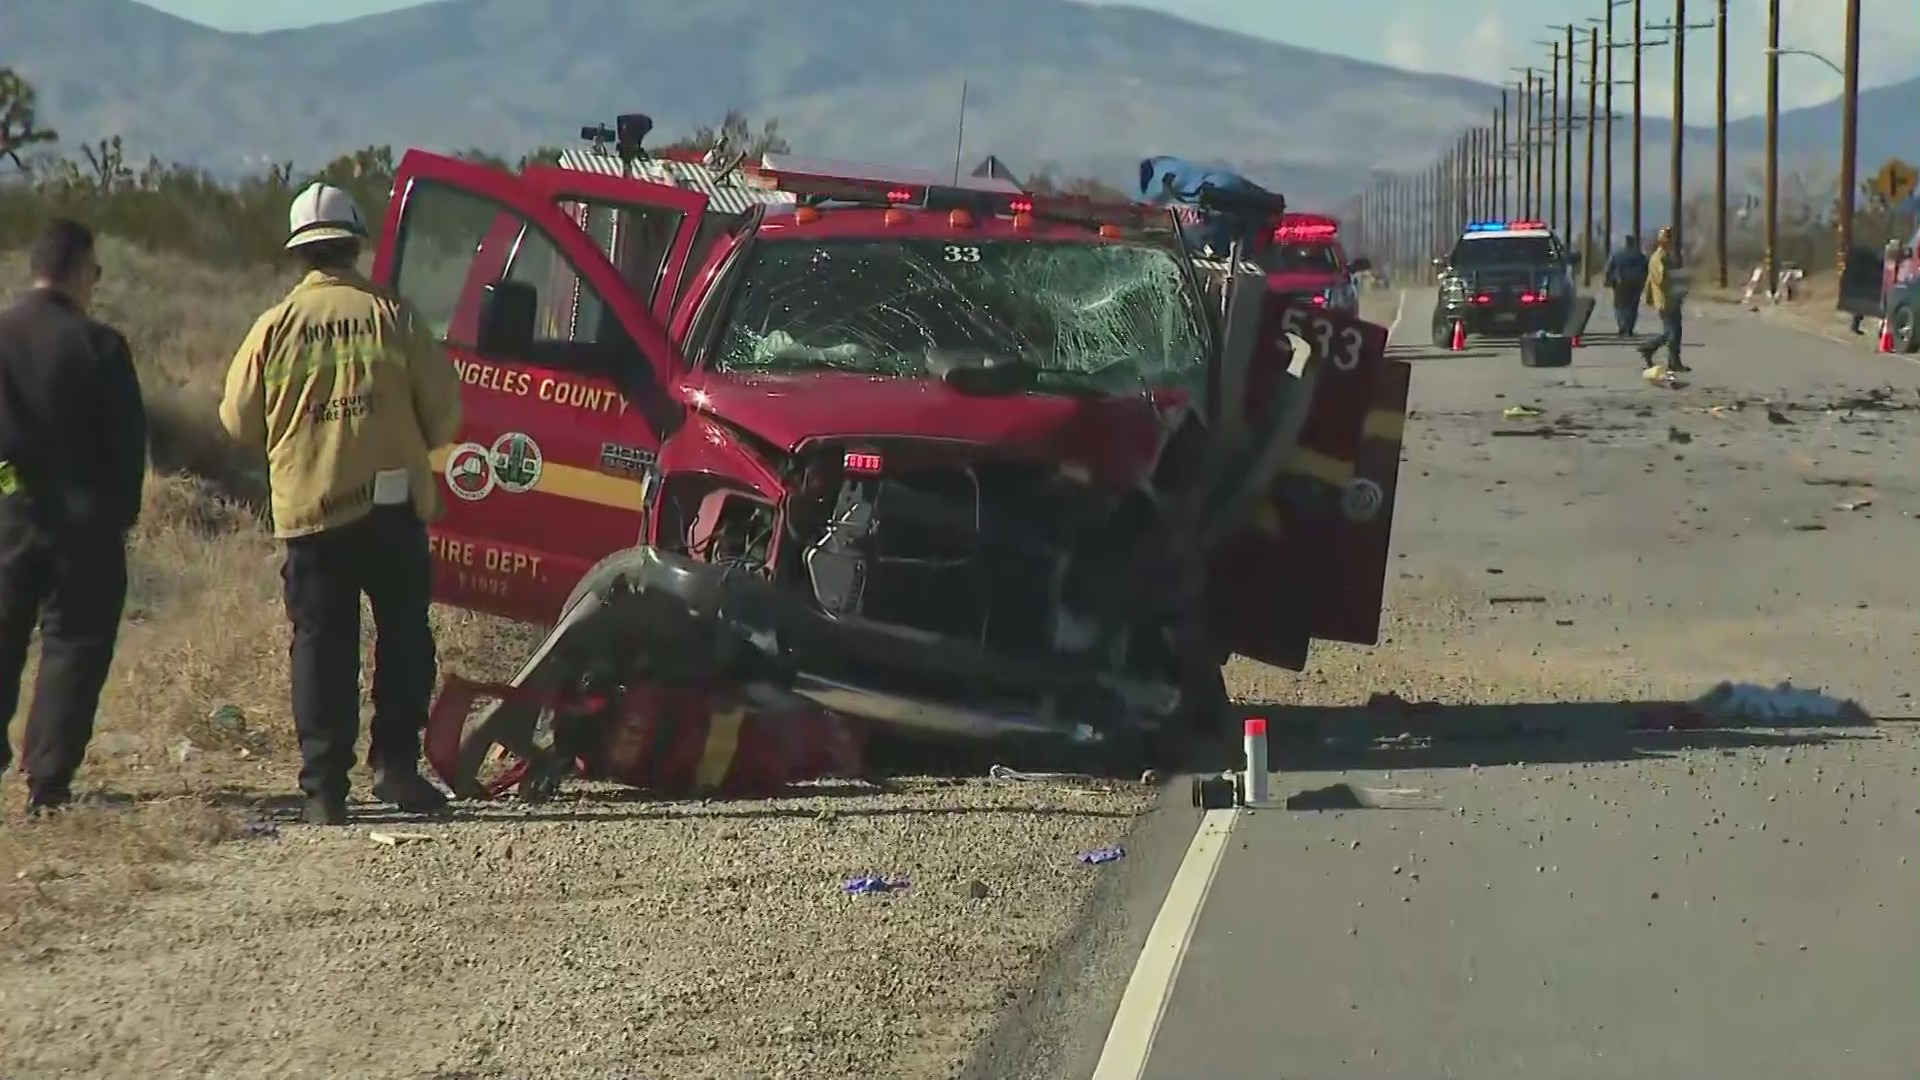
[[179, 925]]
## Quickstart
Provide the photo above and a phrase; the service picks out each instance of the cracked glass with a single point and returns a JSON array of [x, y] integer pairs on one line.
[[1105, 317]]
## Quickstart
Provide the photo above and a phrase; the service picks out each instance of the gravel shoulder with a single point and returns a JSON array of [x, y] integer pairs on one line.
[[612, 938]]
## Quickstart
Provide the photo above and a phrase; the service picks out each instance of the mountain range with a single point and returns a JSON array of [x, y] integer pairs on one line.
[[1050, 84]]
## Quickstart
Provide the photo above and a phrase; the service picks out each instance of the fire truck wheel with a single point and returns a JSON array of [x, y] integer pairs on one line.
[[1906, 335], [604, 573]]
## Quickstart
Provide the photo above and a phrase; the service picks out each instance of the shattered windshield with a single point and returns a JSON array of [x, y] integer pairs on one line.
[[1106, 317], [1296, 258]]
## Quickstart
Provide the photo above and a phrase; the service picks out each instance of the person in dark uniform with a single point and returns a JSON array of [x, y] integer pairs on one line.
[[346, 390], [1626, 278], [73, 465]]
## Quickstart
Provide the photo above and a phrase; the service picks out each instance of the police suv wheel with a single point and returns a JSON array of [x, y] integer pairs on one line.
[[1442, 329]]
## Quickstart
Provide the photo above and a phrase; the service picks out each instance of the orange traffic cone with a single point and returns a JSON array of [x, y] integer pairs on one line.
[[1886, 335], [1459, 336]]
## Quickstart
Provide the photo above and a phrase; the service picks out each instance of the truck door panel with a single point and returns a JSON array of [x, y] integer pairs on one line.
[[542, 481], [1311, 560]]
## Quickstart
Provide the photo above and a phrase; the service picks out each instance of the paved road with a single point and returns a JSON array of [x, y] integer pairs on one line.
[[1569, 898]]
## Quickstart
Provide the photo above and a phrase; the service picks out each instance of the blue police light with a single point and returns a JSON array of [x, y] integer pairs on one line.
[[1505, 226]]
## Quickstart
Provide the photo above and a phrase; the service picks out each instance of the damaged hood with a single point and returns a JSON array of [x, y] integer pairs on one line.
[[1116, 439]]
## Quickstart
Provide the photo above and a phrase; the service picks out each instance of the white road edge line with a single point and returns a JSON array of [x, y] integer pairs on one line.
[[1150, 988]]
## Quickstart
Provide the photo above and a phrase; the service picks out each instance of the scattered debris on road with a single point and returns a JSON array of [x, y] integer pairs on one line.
[[870, 886], [1101, 855]]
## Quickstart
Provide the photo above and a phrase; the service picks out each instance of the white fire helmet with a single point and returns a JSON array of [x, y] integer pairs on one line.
[[323, 212]]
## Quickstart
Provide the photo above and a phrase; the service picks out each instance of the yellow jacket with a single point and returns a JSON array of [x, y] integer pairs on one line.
[[339, 383], [1658, 291]]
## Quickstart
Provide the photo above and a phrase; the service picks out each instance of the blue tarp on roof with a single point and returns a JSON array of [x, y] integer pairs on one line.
[[1166, 180]]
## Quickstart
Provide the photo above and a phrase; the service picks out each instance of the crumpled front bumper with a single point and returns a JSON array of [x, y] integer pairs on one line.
[[670, 619]]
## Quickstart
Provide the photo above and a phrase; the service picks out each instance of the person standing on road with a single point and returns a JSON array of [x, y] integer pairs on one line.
[[1665, 292], [347, 391], [1626, 277], [73, 466]]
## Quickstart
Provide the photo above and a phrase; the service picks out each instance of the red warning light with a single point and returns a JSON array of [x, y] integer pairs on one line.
[[899, 195], [1296, 233], [861, 463], [1020, 206]]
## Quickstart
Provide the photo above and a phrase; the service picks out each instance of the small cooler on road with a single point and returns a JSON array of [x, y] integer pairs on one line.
[[1546, 350]]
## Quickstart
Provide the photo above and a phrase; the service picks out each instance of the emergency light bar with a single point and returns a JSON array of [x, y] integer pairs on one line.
[[1505, 226], [1291, 233]]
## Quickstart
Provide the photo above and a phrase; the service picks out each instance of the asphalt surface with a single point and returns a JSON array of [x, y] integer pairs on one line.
[[1552, 893]]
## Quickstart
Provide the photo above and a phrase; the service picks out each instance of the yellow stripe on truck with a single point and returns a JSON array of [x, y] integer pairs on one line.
[[1385, 424], [573, 482], [1381, 424], [723, 742]]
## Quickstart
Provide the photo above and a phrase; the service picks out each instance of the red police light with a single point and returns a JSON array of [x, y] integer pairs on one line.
[[1520, 226], [1293, 233], [861, 463]]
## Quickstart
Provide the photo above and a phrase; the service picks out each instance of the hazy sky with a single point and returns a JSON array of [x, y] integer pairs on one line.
[[1476, 38]]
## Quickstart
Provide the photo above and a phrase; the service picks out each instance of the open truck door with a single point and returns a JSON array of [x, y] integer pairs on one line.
[[1305, 556], [567, 374]]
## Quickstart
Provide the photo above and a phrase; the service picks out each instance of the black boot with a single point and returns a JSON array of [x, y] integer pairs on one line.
[[324, 810], [407, 789], [47, 798]]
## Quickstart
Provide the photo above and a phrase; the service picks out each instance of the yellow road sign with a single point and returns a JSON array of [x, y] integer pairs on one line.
[[1895, 180]]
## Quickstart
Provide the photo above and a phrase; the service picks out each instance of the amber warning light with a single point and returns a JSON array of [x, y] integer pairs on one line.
[[862, 463]]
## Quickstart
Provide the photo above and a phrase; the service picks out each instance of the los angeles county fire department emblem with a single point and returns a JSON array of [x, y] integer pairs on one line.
[[512, 464]]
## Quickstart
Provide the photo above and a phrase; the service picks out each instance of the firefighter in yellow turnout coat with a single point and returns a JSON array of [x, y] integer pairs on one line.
[[346, 391]]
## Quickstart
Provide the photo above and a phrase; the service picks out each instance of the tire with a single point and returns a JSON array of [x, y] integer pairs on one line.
[[512, 727], [1442, 329], [604, 573], [1906, 335]]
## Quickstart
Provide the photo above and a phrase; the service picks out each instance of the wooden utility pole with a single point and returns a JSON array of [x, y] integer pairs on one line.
[[1502, 133], [1566, 141], [1606, 198], [1593, 103], [1639, 47], [1500, 156], [1523, 147], [1540, 138], [1849, 131], [1677, 157], [1720, 150], [1550, 134], [1677, 32], [1771, 238]]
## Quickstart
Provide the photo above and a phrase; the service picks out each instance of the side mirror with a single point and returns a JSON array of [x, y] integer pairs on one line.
[[1359, 266], [507, 313]]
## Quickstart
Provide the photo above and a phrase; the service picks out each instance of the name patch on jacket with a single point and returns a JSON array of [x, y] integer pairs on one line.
[[326, 333]]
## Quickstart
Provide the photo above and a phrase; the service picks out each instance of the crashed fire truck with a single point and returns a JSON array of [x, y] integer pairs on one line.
[[800, 458]]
